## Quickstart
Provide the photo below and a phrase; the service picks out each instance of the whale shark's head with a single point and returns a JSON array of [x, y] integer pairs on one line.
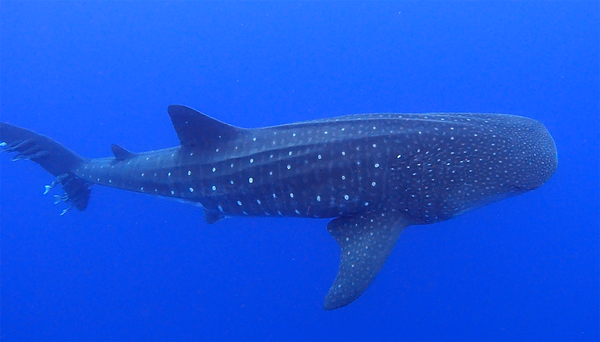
[[538, 154], [477, 159]]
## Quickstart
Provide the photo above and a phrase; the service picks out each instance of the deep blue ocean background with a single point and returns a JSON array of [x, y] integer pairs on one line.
[[135, 267]]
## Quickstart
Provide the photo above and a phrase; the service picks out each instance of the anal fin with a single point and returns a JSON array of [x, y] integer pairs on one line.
[[212, 216], [366, 241]]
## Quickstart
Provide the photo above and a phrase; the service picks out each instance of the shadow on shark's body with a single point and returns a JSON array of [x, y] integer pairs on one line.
[[374, 173]]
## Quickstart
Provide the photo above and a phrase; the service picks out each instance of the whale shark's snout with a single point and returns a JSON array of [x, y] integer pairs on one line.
[[540, 158]]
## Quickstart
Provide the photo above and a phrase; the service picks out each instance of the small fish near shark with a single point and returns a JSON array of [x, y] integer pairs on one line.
[[374, 174]]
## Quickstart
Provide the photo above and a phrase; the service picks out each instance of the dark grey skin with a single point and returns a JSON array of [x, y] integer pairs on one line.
[[374, 173]]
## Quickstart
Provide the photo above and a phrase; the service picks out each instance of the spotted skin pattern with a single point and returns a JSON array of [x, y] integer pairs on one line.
[[374, 173]]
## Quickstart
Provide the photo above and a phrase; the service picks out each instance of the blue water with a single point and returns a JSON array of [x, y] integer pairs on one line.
[[134, 267]]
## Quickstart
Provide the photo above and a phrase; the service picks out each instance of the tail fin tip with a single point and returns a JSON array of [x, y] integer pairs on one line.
[[53, 157]]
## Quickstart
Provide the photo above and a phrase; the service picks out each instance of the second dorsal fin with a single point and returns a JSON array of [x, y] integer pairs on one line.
[[121, 153], [197, 129]]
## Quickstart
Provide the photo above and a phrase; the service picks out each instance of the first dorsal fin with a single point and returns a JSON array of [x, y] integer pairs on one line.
[[121, 153], [195, 128]]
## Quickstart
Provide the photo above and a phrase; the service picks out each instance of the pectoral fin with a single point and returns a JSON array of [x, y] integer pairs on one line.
[[366, 241]]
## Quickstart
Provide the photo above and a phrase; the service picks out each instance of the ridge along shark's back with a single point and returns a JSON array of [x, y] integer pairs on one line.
[[374, 173]]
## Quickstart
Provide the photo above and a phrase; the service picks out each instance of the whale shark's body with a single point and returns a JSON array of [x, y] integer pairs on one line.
[[374, 173]]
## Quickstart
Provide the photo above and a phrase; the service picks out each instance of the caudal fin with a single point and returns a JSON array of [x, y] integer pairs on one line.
[[53, 157]]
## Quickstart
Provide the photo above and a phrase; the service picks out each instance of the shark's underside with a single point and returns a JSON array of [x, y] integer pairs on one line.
[[374, 173]]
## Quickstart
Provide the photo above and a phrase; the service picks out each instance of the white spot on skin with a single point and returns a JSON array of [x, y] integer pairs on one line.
[[289, 166], [318, 198], [346, 197], [214, 169], [258, 201], [319, 156], [239, 203], [142, 174], [291, 195], [373, 184], [377, 165], [214, 188], [251, 161], [190, 173], [250, 180], [191, 189], [172, 192], [169, 174]]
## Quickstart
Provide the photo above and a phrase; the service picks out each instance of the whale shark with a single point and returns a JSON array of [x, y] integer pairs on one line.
[[372, 174]]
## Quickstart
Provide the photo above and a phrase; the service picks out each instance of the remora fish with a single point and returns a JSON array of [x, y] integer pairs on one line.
[[375, 174]]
